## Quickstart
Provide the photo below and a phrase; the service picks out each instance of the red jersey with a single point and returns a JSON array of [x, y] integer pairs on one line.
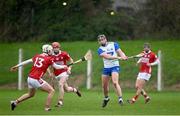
[[147, 58], [40, 64], [61, 59]]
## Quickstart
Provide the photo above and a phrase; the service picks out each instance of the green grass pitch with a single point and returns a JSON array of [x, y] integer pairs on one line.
[[170, 59], [162, 103]]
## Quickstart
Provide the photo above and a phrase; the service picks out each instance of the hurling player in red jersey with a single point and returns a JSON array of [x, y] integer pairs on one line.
[[147, 60], [61, 58], [40, 64]]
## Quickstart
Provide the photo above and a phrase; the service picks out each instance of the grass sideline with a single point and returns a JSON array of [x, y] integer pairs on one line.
[[170, 50], [162, 103]]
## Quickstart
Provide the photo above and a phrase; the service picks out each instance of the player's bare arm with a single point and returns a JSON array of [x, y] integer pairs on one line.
[[138, 62], [52, 76], [56, 66], [14, 68], [50, 73], [110, 57], [137, 56], [70, 67], [154, 63], [122, 54]]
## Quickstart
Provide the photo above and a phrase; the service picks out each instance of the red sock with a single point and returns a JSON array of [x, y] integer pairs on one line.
[[145, 95], [135, 97]]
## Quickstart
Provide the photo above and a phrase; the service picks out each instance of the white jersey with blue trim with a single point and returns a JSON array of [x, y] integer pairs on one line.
[[111, 49]]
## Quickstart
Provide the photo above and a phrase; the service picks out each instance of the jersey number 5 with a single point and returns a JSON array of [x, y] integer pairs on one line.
[[38, 62]]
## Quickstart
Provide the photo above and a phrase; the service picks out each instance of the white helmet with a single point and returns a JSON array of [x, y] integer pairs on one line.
[[48, 49]]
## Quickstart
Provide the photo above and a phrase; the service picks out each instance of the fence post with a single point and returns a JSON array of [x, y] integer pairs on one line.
[[20, 70], [159, 74], [89, 74]]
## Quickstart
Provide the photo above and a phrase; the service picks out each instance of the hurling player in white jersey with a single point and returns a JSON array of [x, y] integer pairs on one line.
[[111, 53]]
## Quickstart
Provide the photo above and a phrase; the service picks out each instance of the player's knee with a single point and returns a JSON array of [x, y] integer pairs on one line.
[[61, 85], [104, 85], [52, 91], [115, 84], [31, 94], [66, 89], [137, 87]]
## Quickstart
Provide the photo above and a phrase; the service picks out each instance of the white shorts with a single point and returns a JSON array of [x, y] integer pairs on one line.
[[34, 83], [64, 74], [145, 76]]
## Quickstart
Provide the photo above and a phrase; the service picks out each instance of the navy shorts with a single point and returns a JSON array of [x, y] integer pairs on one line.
[[108, 71]]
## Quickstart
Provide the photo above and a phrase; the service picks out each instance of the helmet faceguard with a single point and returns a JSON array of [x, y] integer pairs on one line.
[[47, 49]]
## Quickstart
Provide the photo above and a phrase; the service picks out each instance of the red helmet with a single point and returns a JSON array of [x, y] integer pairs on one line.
[[56, 45]]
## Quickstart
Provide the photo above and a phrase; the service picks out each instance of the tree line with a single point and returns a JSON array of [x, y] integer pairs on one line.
[[49, 20]]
